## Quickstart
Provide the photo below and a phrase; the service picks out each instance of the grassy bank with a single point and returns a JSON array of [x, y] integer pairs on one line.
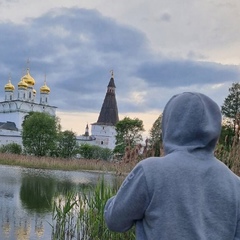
[[64, 164]]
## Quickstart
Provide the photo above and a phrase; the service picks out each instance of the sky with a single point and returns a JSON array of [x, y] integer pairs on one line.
[[156, 49]]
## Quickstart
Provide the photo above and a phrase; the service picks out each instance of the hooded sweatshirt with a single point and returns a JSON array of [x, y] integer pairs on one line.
[[188, 194]]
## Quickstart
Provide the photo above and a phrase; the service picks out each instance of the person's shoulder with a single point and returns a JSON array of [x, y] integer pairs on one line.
[[151, 160], [152, 163]]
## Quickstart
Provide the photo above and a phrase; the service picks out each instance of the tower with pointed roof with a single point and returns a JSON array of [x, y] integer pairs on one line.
[[104, 129]]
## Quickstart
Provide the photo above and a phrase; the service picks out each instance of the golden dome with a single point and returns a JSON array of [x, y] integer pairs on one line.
[[45, 88], [22, 84], [28, 78], [9, 86], [34, 91]]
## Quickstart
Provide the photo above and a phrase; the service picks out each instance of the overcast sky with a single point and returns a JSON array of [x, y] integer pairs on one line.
[[156, 48]]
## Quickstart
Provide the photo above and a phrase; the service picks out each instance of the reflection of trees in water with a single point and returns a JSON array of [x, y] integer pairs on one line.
[[63, 188], [37, 193]]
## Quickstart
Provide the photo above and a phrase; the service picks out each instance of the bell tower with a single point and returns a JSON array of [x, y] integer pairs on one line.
[[104, 129]]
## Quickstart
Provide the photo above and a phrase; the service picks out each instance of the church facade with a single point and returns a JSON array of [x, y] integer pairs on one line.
[[18, 103], [21, 101]]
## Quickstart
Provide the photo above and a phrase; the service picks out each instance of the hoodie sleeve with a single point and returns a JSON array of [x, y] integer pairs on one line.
[[130, 202]]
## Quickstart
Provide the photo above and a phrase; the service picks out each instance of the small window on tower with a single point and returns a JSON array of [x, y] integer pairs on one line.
[[101, 142]]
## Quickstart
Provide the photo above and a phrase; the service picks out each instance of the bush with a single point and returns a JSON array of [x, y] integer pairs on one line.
[[11, 148], [95, 152]]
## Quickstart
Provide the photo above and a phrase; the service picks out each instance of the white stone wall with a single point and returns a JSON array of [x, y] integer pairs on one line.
[[105, 135], [7, 136], [15, 111]]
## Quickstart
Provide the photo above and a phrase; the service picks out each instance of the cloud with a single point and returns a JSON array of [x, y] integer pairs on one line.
[[76, 48], [165, 17], [175, 73]]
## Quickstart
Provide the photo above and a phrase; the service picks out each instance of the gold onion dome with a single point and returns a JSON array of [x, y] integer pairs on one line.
[[9, 86], [34, 91], [22, 84], [45, 88], [28, 78]]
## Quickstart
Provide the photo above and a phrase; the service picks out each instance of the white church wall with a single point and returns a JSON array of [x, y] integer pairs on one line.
[[8, 136], [105, 135]]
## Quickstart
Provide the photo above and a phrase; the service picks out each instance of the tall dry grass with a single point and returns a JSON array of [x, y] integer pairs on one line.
[[64, 164], [230, 156]]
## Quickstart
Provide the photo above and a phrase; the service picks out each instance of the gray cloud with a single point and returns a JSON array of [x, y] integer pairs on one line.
[[165, 17], [77, 48], [176, 73]]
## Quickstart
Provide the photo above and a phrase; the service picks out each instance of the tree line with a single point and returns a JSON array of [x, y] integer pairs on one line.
[[42, 134]]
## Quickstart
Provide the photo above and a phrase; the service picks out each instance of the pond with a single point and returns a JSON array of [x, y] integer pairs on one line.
[[27, 195]]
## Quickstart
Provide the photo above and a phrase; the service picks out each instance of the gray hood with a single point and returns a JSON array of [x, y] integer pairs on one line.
[[192, 122]]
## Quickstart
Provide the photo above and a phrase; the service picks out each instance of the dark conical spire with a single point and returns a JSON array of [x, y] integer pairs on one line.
[[86, 131], [109, 111]]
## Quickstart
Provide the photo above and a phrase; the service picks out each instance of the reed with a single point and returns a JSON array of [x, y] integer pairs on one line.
[[81, 216], [230, 156], [64, 219]]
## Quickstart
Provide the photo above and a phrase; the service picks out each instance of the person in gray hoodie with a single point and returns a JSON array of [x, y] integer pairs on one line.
[[187, 194]]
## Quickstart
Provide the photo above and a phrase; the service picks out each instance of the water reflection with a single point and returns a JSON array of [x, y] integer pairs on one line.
[[17, 225], [27, 196], [37, 193]]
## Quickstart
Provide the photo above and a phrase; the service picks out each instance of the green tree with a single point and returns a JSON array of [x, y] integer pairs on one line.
[[231, 105], [231, 109], [155, 139], [129, 133], [67, 144], [39, 133]]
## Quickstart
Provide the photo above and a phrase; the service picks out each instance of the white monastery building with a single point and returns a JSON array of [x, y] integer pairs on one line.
[[21, 101]]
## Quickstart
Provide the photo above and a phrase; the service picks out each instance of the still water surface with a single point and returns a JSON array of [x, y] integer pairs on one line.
[[26, 197]]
